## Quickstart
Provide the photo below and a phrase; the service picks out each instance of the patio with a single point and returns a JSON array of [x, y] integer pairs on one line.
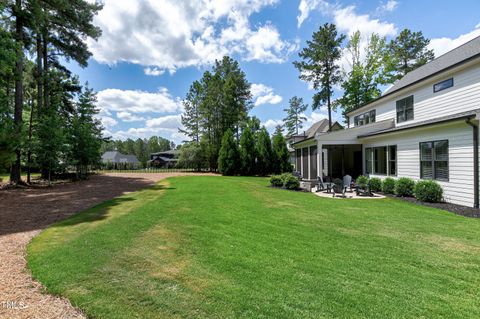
[[348, 195]]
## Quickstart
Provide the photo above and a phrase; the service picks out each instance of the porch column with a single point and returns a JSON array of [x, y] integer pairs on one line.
[[308, 163], [319, 159], [301, 162]]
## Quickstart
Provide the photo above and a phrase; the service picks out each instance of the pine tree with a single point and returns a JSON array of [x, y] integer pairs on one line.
[[409, 51], [319, 65], [264, 153], [229, 157], [247, 152], [191, 114], [295, 115], [19, 14], [86, 133], [281, 156]]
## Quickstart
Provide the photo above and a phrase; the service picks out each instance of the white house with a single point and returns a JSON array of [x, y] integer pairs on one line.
[[424, 127]]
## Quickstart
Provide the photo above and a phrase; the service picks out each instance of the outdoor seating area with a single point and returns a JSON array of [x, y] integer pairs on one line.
[[337, 188]]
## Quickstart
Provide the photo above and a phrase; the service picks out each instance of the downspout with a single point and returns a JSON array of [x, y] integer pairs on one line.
[[475, 163]]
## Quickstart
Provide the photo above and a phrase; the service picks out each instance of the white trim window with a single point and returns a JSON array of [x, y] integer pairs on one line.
[[405, 109], [434, 160], [381, 160]]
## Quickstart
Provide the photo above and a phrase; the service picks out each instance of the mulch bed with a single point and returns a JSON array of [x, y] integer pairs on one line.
[[453, 208]]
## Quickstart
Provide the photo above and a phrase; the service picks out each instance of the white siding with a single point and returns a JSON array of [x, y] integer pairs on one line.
[[459, 188], [463, 96]]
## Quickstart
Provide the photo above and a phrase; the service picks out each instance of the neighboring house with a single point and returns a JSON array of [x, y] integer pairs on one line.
[[166, 159], [424, 127], [308, 138], [117, 159]]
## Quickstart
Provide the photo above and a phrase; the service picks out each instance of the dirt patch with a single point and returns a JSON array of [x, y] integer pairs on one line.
[[25, 212]]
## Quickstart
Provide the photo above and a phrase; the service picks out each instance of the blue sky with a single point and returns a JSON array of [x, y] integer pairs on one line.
[[151, 51]]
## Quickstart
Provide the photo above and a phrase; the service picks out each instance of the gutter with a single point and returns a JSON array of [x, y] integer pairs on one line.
[[408, 127], [475, 162]]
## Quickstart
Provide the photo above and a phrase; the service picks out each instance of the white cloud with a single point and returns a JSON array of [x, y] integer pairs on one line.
[[347, 20], [107, 121], [388, 6], [443, 45], [270, 124], [171, 34], [129, 117], [172, 122], [153, 71], [134, 101], [165, 126], [306, 6], [265, 45], [263, 94]]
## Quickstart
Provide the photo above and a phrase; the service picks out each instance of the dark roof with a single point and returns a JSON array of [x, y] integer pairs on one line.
[[117, 157], [169, 152], [320, 126], [439, 120], [301, 141], [165, 159], [453, 58]]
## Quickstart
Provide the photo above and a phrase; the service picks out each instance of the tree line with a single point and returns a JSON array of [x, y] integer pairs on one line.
[[222, 136], [47, 118], [141, 148], [377, 63]]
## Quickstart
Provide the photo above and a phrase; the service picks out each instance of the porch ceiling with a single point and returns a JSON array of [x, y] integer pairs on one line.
[[349, 136]]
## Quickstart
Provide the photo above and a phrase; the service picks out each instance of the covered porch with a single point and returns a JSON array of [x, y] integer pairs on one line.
[[334, 154]]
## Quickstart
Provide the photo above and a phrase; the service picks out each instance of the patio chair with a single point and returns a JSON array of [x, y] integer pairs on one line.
[[338, 188], [322, 186], [363, 190], [347, 182]]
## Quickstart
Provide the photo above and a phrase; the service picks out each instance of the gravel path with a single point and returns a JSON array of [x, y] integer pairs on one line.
[[25, 212]]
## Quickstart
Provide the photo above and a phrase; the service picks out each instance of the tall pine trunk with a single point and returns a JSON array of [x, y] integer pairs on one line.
[[29, 154], [46, 174], [15, 173]]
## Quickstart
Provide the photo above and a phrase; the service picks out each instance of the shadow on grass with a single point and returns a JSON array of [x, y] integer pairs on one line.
[[32, 209], [100, 212]]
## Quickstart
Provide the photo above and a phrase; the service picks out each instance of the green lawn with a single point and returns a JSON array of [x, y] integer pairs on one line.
[[235, 248], [5, 178]]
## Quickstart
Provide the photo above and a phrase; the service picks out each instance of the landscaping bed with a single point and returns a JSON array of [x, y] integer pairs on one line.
[[453, 208]]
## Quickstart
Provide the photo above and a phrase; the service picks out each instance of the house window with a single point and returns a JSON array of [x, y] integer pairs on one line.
[[405, 109], [443, 85], [380, 160], [392, 160], [434, 160], [365, 118], [368, 161]]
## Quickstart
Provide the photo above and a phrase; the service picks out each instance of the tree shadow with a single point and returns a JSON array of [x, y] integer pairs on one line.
[[24, 210]]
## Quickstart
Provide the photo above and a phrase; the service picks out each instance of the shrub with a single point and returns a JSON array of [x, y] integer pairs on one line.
[[404, 186], [428, 191], [284, 176], [362, 181], [388, 185], [375, 184], [276, 181], [291, 182]]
